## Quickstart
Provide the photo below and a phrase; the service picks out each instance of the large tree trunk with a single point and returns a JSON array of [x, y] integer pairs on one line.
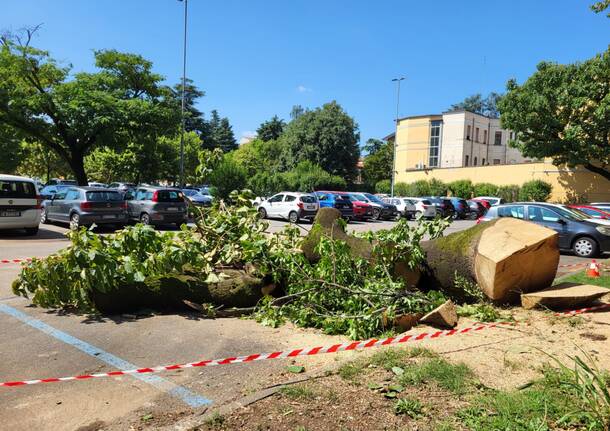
[[504, 257], [77, 164]]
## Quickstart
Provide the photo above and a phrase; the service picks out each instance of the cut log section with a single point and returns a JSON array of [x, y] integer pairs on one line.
[[564, 296], [504, 257]]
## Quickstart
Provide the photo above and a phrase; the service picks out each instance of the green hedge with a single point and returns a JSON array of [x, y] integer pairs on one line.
[[537, 190]]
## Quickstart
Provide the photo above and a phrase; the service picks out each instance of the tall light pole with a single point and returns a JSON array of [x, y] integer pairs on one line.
[[397, 81], [183, 95]]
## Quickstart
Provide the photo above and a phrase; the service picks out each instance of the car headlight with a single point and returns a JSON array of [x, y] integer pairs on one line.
[[604, 230]]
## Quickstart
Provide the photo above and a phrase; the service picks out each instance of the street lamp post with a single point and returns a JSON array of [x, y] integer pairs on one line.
[[397, 81], [183, 96]]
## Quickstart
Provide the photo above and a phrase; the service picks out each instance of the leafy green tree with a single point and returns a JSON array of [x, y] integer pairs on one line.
[[296, 112], [219, 134], [308, 177], [601, 6], [384, 186], [487, 106], [327, 137], [271, 130], [461, 189], [563, 112], [36, 160], [71, 114], [227, 177], [193, 117], [265, 183], [258, 155], [378, 162], [11, 153]]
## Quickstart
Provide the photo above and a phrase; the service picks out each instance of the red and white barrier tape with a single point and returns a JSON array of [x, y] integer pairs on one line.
[[27, 259], [356, 345], [583, 310]]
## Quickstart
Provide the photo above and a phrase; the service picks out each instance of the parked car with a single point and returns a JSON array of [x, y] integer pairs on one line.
[[381, 209], [601, 205], [462, 209], [84, 206], [99, 185], [60, 182], [477, 209], [444, 207], [483, 202], [122, 188], [152, 205], [493, 201], [292, 206], [48, 191], [423, 208], [362, 210], [338, 201], [593, 212], [405, 207], [578, 233], [197, 198], [19, 204]]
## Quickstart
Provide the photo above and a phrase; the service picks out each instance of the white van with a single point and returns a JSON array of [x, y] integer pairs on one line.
[[19, 204]]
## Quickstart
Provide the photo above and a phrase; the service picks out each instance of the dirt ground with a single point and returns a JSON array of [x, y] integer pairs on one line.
[[502, 358]]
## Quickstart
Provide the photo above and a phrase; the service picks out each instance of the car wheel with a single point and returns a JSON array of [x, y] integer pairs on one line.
[[74, 221], [262, 213], [376, 214], [293, 217], [31, 230], [145, 219], [585, 247], [44, 219]]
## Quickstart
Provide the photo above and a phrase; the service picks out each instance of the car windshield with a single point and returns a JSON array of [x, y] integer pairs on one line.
[[17, 189], [373, 198], [169, 196], [571, 213], [103, 196], [358, 197], [190, 192], [338, 196], [308, 199]]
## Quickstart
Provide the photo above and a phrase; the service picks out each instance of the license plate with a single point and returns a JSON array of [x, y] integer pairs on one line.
[[310, 207], [172, 209], [108, 216], [10, 213]]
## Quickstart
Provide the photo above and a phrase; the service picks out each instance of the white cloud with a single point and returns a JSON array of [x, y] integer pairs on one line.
[[303, 89]]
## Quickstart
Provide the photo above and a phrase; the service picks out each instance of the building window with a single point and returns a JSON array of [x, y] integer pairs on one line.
[[485, 136], [435, 143], [483, 162], [498, 138], [466, 161], [496, 161], [475, 162], [468, 130], [476, 134]]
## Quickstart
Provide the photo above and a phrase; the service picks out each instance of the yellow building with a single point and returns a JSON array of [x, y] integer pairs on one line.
[[461, 145]]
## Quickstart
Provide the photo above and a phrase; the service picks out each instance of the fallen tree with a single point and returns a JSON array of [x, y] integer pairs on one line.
[[504, 257]]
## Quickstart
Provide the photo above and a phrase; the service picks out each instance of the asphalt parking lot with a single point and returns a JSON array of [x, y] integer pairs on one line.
[[39, 344]]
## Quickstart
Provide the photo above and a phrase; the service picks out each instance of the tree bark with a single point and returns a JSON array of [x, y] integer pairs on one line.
[[77, 164], [598, 170], [504, 257]]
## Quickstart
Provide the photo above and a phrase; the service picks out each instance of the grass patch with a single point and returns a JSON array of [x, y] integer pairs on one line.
[[581, 278], [409, 407], [298, 392], [453, 377], [481, 312], [565, 398], [215, 421]]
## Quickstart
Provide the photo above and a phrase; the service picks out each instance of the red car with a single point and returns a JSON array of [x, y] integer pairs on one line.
[[592, 211], [362, 210], [483, 202]]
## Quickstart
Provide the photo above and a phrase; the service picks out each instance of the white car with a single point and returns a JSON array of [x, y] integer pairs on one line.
[[292, 206], [19, 204], [423, 208], [405, 207]]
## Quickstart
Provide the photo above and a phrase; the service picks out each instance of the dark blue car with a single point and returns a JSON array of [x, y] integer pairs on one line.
[[579, 233], [338, 201]]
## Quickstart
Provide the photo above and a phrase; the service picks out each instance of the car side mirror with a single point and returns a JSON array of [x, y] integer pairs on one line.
[[562, 221]]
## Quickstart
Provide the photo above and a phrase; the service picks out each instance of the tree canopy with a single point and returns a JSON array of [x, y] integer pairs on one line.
[[40, 101], [219, 134], [271, 130], [601, 6], [327, 137], [378, 163], [487, 106], [563, 112]]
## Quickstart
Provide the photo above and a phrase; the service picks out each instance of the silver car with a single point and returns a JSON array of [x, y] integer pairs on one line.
[[152, 205]]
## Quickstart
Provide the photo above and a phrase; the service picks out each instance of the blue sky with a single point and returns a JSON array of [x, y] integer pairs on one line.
[[255, 59]]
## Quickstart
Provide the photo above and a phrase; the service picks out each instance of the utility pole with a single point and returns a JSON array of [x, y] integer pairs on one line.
[[397, 80], [183, 95]]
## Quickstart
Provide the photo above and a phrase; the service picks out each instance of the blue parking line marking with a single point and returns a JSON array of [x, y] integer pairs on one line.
[[190, 398]]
